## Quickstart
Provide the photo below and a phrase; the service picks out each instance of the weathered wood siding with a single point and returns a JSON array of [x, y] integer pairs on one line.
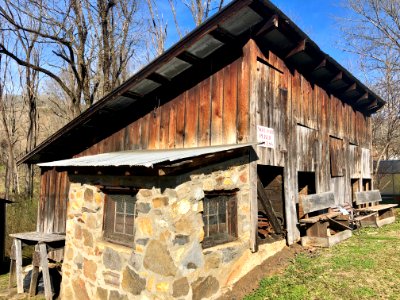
[[314, 131], [53, 201], [213, 112]]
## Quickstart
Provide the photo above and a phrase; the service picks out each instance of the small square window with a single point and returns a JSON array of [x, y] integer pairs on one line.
[[219, 217], [119, 218]]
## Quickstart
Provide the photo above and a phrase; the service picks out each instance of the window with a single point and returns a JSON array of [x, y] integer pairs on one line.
[[219, 217], [119, 217]]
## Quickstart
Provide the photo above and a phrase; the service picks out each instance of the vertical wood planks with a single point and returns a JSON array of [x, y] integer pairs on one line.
[[154, 128], [180, 103], [192, 118], [243, 117], [230, 103], [172, 126], [251, 63], [204, 113], [164, 126], [217, 106]]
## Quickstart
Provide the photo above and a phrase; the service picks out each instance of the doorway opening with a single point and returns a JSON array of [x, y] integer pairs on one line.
[[271, 208]]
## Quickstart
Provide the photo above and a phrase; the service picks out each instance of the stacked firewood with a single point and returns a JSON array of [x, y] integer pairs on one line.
[[264, 226]]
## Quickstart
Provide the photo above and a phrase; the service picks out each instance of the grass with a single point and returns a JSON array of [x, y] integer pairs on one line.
[[5, 293], [364, 267]]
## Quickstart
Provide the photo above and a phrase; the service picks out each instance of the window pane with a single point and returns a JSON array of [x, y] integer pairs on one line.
[[119, 223], [119, 218], [216, 217], [212, 206], [130, 206], [120, 206]]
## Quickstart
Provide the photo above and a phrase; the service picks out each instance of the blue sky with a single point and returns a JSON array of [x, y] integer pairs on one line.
[[319, 20]]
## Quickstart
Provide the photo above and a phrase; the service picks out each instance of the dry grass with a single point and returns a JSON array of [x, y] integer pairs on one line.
[[364, 267]]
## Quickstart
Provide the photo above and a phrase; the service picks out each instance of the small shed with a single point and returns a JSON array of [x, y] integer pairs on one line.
[[388, 180], [189, 174], [3, 222]]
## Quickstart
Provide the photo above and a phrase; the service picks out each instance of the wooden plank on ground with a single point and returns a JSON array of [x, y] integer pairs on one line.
[[315, 202], [367, 197]]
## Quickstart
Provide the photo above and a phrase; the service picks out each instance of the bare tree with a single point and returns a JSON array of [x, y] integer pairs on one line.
[[94, 42], [157, 28], [27, 42], [9, 117], [373, 33], [201, 10]]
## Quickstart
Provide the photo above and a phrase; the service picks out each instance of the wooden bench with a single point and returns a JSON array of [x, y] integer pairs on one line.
[[370, 212], [323, 226]]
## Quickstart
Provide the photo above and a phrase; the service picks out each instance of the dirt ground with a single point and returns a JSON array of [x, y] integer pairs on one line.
[[276, 264]]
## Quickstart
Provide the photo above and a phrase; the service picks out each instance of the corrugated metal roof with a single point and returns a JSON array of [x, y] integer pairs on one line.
[[145, 158]]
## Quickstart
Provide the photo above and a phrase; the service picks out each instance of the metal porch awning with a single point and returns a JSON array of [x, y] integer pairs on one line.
[[141, 158]]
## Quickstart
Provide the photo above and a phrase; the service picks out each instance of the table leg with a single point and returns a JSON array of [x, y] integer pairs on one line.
[[11, 279], [18, 266], [35, 273], [45, 271]]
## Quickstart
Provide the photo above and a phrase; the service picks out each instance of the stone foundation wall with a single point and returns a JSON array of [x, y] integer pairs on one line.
[[167, 260]]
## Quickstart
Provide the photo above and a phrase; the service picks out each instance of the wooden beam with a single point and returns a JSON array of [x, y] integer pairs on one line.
[[362, 99], [351, 88], [267, 205], [158, 78], [189, 58], [132, 95], [321, 65], [336, 224], [338, 76], [370, 105], [301, 47], [269, 25], [222, 35]]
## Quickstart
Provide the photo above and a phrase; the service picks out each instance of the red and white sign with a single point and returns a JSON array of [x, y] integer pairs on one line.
[[266, 136]]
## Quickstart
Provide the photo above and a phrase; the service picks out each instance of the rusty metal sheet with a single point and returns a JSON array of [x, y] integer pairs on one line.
[[146, 158]]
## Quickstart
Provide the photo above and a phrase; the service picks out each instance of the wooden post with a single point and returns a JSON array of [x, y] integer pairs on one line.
[[35, 272], [18, 266], [45, 271], [11, 279]]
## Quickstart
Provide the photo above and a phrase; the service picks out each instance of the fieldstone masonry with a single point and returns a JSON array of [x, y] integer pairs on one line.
[[167, 260]]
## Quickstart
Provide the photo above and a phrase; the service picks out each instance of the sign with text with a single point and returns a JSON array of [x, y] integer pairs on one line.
[[266, 136]]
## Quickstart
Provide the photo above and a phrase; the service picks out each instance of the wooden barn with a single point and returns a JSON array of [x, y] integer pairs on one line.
[[191, 172]]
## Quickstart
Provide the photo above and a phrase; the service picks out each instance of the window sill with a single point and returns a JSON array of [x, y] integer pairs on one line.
[[102, 243]]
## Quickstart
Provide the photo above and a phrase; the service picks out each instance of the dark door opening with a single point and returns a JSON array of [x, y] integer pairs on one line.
[[355, 187], [366, 184], [306, 186], [271, 204]]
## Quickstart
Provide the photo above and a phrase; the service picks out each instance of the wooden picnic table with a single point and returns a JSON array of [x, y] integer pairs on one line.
[[43, 242]]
